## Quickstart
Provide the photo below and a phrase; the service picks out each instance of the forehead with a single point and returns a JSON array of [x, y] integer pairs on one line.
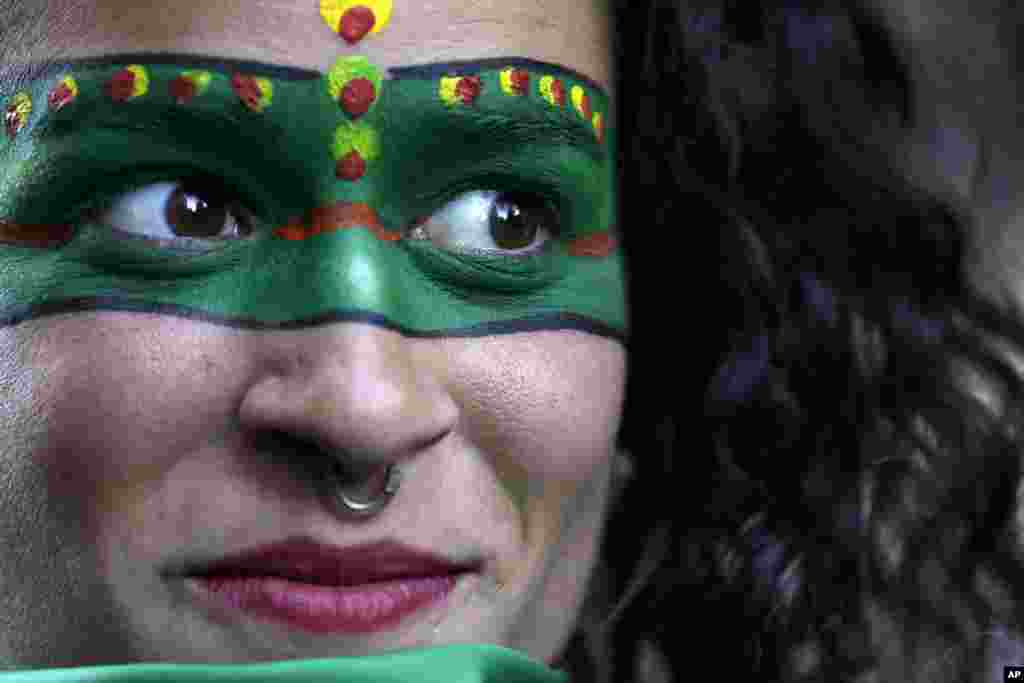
[[572, 33]]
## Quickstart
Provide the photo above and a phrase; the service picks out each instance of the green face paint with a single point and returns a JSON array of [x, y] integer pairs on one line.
[[337, 169]]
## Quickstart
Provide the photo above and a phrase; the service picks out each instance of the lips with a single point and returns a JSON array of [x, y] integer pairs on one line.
[[304, 560]]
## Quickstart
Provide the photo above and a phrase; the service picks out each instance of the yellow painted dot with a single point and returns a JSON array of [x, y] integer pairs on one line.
[[552, 90], [71, 84], [581, 102], [514, 81], [201, 79], [18, 110], [355, 136], [455, 90], [333, 10], [448, 90], [140, 86], [266, 92]]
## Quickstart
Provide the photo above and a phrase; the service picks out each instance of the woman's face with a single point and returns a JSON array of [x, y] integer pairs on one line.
[[370, 291]]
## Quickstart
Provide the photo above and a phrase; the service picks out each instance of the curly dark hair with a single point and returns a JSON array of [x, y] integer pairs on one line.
[[843, 507]]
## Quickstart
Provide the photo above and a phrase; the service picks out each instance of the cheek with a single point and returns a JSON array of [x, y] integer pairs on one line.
[[122, 399], [551, 402], [544, 409]]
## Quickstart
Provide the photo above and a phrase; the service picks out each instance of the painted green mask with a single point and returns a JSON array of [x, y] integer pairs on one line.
[[458, 199]]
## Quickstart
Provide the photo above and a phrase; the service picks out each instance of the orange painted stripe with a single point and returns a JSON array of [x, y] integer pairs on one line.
[[38, 236], [598, 244], [345, 215], [292, 231], [339, 216]]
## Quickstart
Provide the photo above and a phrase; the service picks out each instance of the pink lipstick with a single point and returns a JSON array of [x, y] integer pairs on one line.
[[322, 589]]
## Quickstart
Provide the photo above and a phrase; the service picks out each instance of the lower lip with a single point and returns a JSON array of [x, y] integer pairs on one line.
[[325, 609]]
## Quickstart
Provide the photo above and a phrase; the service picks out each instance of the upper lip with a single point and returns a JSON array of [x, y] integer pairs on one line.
[[303, 559]]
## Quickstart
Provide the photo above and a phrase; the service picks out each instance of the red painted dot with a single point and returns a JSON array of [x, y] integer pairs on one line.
[[351, 167], [12, 121], [182, 89], [385, 235], [355, 23], [588, 114], [468, 88], [558, 92], [60, 97], [357, 96], [121, 86], [597, 245], [247, 90], [294, 229], [520, 81]]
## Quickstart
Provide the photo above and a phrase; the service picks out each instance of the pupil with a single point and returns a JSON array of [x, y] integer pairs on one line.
[[196, 214], [515, 221]]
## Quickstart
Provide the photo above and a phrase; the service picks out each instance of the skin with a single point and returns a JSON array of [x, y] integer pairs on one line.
[[137, 441]]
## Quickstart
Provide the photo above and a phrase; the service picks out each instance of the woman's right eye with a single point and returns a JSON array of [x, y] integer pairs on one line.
[[179, 212]]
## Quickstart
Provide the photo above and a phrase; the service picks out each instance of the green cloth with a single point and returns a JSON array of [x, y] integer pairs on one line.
[[448, 664]]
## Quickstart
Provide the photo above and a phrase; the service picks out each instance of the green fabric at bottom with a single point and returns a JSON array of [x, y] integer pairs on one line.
[[447, 664]]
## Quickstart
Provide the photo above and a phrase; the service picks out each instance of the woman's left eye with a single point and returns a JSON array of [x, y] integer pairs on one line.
[[509, 223], [176, 212]]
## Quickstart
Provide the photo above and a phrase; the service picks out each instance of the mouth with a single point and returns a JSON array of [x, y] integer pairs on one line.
[[323, 590]]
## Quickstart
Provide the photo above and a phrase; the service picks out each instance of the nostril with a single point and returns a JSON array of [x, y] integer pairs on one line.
[[282, 447], [361, 482], [347, 470]]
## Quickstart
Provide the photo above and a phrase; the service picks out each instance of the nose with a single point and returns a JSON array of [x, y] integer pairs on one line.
[[355, 391]]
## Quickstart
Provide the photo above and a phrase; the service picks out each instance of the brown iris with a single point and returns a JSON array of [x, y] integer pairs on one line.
[[516, 218], [204, 213]]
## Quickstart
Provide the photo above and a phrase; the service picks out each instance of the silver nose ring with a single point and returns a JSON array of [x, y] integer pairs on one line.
[[349, 505]]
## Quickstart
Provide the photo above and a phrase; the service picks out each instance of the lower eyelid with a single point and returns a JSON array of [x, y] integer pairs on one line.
[[168, 244]]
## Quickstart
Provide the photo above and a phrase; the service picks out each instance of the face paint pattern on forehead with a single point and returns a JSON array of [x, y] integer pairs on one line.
[[332, 247]]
